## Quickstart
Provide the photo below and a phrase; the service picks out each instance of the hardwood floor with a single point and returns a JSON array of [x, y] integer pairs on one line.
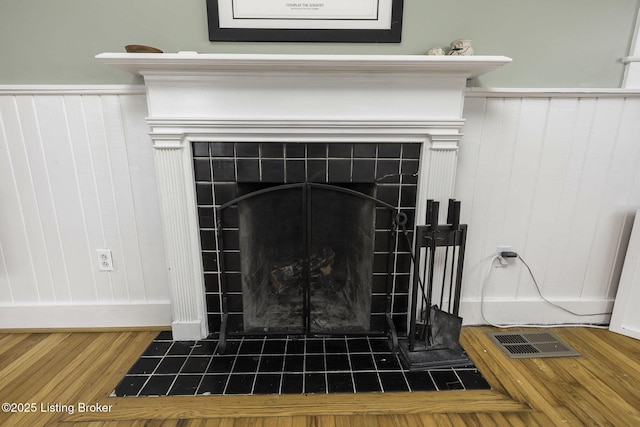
[[55, 374]]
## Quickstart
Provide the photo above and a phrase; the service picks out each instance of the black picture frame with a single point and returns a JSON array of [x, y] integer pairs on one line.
[[390, 35]]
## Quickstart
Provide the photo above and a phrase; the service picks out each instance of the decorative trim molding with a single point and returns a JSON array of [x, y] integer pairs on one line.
[[482, 92], [473, 92], [515, 312], [85, 316], [72, 90]]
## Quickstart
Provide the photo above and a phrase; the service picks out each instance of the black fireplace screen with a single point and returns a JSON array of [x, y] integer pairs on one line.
[[306, 255]]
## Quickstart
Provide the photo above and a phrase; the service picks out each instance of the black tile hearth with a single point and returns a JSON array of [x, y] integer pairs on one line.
[[283, 365]]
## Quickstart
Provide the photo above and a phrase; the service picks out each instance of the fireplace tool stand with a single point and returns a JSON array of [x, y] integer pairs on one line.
[[434, 325]]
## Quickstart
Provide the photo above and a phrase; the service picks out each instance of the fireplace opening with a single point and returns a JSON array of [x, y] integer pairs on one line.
[[306, 255]]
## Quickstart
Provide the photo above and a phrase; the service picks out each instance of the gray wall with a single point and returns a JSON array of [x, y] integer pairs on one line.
[[554, 43]]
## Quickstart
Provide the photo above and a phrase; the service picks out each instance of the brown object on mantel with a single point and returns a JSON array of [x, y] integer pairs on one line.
[[139, 48]]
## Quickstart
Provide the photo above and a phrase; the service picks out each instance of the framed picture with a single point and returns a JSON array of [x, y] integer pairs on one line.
[[353, 21]]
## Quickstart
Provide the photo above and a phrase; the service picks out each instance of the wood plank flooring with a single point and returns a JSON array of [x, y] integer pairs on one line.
[[53, 375]]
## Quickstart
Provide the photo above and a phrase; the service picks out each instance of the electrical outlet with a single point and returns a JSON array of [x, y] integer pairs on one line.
[[105, 260], [502, 248]]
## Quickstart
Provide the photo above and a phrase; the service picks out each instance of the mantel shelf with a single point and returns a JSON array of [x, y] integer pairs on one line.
[[191, 62]]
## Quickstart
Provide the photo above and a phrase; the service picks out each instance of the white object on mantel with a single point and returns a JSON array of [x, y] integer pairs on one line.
[[290, 98]]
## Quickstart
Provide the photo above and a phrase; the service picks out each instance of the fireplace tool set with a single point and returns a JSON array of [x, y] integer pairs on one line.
[[434, 325]]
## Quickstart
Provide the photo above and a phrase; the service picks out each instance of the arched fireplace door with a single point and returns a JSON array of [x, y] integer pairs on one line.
[[307, 255]]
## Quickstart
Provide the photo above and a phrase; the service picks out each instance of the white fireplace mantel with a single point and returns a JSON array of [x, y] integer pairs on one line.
[[290, 98]]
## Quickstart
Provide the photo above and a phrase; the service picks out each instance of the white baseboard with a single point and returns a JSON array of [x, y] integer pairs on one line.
[[85, 316], [535, 312]]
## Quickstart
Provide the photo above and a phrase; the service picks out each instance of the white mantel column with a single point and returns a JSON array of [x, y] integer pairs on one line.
[[172, 157], [438, 171]]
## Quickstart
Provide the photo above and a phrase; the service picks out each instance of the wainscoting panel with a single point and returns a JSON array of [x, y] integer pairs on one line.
[[556, 176], [76, 175]]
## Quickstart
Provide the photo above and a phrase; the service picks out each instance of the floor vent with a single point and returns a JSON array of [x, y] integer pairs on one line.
[[529, 345]]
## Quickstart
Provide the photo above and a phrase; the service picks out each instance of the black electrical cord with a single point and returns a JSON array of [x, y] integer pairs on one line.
[[552, 303]]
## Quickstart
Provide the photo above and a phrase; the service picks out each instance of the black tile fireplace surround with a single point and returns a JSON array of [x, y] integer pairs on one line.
[[226, 170]]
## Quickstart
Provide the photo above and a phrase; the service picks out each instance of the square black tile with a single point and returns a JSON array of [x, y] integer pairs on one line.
[[200, 149], [386, 362], [240, 384], [295, 171], [358, 345], [181, 348], [362, 362], [315, 346], [208, 240], [316, 171], [272, 171], [221, 364], [196, 364], [366, 382], [472, 379], [247, 149], [223, 169], [446, 380], [315, 383], [272, 150], [420, 381], [206, 218], [294, 363], [164, 336], [210, 261], [170, 365], [130, 385], [185, 385], [339, 382], [393, 381], [157, 348], [388, 171], [364, 150], [389, 150], [221, 149], [145, 365], [379, 345], [340, 150], [267, 384], [204, 194], [292, 383], [271, 363], [158, 385], [316, 151], [248, 170], [295, 346], [364, 171], [274, 346], [223, 193], [337, 362], [314, 363], [202, 170], [204, 348], [246, 364], [339, 171], [411, 151], [295, 151], [213, 384], [251, 347], [338, 346]]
